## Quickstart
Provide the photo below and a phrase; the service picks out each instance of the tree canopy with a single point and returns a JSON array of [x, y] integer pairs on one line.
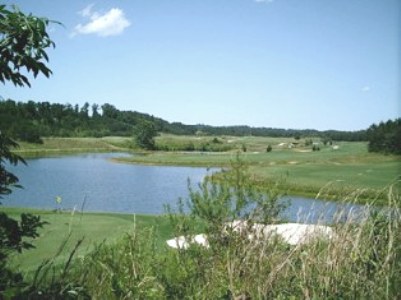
[[144, 135], [385, 137], [28, 121], [23, 44], [23, 40], [8, 179]]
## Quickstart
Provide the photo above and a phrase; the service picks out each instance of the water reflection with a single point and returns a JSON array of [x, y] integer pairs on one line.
[[306, 210], [114, 187]]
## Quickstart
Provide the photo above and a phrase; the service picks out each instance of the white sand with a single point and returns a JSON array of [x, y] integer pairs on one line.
[[182, 242], [294, 233], [291, 233]]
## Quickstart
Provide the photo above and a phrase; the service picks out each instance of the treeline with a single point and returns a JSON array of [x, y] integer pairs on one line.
[[334, 135], [385, 137], [29, 121]]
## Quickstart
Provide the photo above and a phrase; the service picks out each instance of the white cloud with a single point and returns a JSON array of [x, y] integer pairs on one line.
[[87, 11], [113, 22], [366, 89]]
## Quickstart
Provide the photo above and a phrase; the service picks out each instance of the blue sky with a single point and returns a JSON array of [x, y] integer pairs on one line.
[[276, 63]]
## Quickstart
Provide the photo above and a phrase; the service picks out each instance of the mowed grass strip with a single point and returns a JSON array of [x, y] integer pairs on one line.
[[346, 163], [95, 228], [54, 146], [306, 171]]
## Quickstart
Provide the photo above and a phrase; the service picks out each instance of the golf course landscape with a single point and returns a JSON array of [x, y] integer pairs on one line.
[[237, 150], [338, 168], [65, 229], [344, 165], [125, 255]]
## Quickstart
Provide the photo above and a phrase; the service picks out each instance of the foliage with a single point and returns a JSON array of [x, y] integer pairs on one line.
[[13, 234], [23, 40], [326, 141], [22, 45], [315, 148], [8, 179], [269, 148], [385, 137], [362, 260], [144, 135], [31, 120], [234, 196], [204, 144], [308, 142]]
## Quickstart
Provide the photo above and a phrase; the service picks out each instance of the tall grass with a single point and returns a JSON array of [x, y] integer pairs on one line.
[[361, 261]]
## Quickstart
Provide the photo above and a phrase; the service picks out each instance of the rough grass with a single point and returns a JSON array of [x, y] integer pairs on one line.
[[70, 227], [361, 261]]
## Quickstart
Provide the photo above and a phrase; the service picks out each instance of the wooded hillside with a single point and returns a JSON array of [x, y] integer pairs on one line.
[[28, 121]]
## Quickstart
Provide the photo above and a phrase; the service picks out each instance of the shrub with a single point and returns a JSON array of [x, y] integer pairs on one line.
[[361, 261]]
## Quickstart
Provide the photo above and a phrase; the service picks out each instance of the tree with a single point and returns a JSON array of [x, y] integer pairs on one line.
[[13, 234], [8, 179], [385, 137], [95, 113], [84, 113], [23, 40], [144, 135]]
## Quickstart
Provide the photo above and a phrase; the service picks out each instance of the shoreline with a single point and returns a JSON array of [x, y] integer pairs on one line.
[[366, 192]]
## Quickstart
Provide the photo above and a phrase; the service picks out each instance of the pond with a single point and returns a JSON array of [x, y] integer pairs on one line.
[[93, 182]]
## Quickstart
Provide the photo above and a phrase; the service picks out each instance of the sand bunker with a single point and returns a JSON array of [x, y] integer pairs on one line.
[[182, 242], [290, 233]]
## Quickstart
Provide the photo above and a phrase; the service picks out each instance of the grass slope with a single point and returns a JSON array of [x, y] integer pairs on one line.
[[346, 166], [54, 146], [95, 228]]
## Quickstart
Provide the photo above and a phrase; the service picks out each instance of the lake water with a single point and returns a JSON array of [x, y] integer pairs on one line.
[[98, 184]]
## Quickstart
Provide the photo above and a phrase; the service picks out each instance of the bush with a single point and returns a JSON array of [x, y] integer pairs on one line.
[[361, 261]]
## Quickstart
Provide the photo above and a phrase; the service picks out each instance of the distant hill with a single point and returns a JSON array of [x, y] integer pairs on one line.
[[29, 121]]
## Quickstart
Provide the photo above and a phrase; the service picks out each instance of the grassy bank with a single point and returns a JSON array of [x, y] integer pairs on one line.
[[59, 146], [68, 228], [360, 260], [341, 167]]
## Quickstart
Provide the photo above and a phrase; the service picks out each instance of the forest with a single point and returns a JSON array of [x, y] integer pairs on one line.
[[385, 137], [29, 121]]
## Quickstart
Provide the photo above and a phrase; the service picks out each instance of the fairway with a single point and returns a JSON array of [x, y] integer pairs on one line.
[[59, 146], [342, 165], [95, 228], [347, 164]]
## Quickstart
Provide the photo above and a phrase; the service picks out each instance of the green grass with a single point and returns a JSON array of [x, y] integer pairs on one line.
[[349, 167], [233, 142], [55, 146], [95, 228], [361, 260]]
